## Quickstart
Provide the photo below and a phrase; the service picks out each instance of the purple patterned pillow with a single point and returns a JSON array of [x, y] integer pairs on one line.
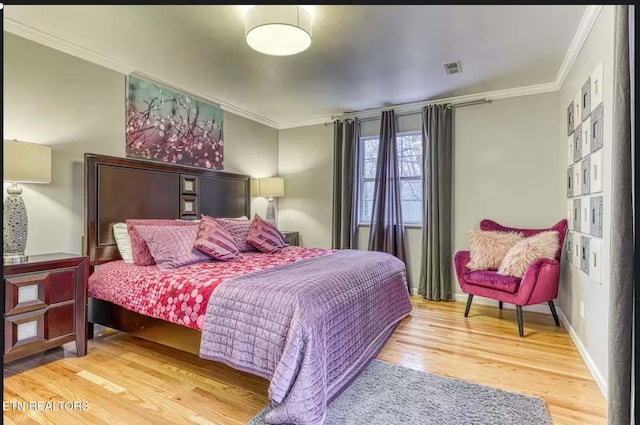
[[172, 246], [265, 236], [239, 230], [140, 251], [215, 241]]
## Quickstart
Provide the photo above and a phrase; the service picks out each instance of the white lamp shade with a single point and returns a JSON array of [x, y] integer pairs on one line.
[[278, 30], [26, 162], [271, 186]]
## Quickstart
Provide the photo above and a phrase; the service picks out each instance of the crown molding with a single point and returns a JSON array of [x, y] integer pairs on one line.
[[235, 110], [580, 37], [65, 46], [92, 56], [305, 123]]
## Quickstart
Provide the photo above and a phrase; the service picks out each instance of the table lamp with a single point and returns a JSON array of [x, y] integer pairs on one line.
[[23, 163], [271, 187]]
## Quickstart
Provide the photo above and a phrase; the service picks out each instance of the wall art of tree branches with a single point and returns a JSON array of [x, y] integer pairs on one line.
[[166, 126]]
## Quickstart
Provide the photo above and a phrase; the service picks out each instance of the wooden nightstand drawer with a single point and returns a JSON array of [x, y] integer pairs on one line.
[[58, 321], [30, 331], [28, 292], [23, 329], [45, 304]]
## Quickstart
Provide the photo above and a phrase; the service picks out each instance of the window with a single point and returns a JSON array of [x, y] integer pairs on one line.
[[410, 163]]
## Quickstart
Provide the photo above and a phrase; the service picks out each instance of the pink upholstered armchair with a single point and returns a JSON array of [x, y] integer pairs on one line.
[[538, 285]]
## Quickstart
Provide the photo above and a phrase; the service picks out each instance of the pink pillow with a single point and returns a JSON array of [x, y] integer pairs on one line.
[[141, 254], [489, 248], [239, 230], [265, 236], [172, 246], [215, 241], [528, 250]]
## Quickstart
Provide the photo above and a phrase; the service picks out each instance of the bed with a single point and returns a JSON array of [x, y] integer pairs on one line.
[[308, 320]]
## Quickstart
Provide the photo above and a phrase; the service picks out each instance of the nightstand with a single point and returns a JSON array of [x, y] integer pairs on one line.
[[291, 238], [45, 304]]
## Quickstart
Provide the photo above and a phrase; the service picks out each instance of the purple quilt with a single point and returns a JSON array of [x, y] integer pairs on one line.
[[309, 327]]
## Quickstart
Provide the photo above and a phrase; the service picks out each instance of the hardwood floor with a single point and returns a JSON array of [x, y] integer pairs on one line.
[[126, 380]]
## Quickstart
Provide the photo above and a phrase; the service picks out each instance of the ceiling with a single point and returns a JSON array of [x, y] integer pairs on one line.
[[361, 56]]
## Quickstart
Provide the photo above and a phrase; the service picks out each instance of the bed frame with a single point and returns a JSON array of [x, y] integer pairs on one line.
[[120, 188]]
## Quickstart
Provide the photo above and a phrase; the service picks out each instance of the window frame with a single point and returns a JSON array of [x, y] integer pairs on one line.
[[362, 179]]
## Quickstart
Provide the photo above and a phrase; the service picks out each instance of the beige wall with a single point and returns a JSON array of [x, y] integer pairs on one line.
[[74, 106], [576, 286], [505, 157], [77, 107], [250, 148], [306, 164]]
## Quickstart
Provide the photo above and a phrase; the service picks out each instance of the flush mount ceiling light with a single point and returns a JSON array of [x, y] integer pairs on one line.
[[278, 30]]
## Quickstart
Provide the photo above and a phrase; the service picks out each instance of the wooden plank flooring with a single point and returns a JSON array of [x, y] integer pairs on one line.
[[127, 380]]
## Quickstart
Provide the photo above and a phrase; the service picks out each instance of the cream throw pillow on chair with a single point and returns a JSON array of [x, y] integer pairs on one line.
[[488, 248], [528, 250]]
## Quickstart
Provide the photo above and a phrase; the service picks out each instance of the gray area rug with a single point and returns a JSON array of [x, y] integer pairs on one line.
[[386, 394]]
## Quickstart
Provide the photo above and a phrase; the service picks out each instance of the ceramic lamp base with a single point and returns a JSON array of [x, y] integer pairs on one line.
[[15, 225], [271, 210]]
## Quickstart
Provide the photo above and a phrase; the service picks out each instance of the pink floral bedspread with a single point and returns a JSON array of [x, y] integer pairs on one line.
[[181, 295]]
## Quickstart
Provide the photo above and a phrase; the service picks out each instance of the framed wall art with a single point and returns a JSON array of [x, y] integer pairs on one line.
[[585, 118], [167, 126]]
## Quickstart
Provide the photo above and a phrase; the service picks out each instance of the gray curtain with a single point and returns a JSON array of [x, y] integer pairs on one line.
[[621, 291], [346, 139], [437, 151], [387, 228]]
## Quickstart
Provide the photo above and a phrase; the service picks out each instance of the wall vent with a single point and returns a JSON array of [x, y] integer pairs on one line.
[[452, 67]]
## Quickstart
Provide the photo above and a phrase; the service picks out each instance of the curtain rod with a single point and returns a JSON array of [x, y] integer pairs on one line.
[[470, 103], [409, 112]]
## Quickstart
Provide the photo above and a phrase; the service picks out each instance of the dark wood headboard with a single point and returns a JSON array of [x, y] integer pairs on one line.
[[120, 188]]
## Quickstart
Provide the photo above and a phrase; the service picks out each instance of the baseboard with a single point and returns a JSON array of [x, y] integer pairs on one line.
[[537, 308], [597, 376]]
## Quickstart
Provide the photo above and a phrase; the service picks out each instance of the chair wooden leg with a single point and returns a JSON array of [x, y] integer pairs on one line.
[[500, 305], [520, 321], [553, 312], [466, 310]]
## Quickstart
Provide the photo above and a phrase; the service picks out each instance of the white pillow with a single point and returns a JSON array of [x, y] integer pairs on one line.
[[123, 240]]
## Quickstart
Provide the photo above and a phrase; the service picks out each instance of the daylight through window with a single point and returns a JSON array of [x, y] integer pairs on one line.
[[410, 163]]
